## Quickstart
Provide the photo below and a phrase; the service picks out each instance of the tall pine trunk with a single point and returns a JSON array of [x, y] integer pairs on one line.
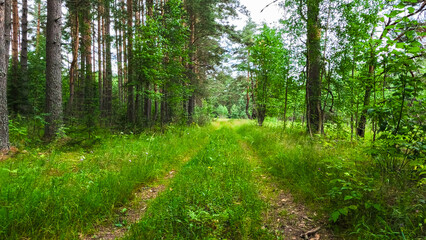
[[24, 107], [15, 87], [130, 90], [7, 29], [108, 85], [53, 69], [4, 119], [100, 71], [191, 101], [38, 31], [75, 42]]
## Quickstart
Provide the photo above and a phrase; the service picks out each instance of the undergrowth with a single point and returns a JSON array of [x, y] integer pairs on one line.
[[339, 179], [62, 190]]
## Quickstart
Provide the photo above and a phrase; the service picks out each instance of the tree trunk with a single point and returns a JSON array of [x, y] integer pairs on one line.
[[124, 50], [147, 99], [100, 71], [363, 119], [38, 31], [286, 102], [75, 42], [191, 101], [4, 119], [108, 87], [24, 108], [7, 28], [313, 84], [119, 49], [130, 93], [53, 69], [15, 90], [248, 87]]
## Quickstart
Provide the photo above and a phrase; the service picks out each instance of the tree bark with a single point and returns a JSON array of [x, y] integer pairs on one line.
[[108, 87], [4, 119], [53, 69], [119, 59], [248, 86], [38, 24], [286, 101], [7, 28], [313, 84], [75, 42], [15, 89], [363, 119], [130, 93], [191, 102], [24, 107], [100, 71], [89, 83]]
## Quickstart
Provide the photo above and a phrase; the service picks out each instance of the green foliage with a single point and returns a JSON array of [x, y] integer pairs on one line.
[[269, 60], [202, 114], [222, 111], [340, 179]]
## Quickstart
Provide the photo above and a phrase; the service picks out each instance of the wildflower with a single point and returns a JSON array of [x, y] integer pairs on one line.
[[146, 153], [130, 160], [82, 158]]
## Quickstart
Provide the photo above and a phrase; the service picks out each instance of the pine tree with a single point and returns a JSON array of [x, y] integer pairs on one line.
[[53, 69], [4, 119]]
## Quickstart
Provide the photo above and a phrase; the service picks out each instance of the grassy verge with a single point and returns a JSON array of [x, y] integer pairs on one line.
[[338, 179], [212, 197], [58, 193]]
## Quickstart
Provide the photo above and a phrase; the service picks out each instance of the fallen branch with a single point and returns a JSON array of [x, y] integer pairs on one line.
[[310, 232]]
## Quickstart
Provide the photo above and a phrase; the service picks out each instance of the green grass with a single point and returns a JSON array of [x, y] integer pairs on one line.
[[58, 193], [340, 180], [72, 186], [213, 197]]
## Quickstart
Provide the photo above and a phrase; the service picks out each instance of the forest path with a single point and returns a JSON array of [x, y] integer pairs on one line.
[[283, 218], [133, 211]]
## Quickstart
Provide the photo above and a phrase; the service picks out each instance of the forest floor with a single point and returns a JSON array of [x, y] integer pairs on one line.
[[282, 218], [228, 180]]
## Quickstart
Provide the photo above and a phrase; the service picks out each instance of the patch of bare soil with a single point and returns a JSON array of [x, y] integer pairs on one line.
[[290, 220], [131, 213]]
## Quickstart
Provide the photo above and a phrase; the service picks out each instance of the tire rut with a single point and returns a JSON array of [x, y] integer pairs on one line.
[[284, 217]]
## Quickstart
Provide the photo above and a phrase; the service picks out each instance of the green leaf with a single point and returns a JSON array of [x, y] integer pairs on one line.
[[344, 211], [353, 207], [348, 197], [10, 171], [414, 50], [400, 6], [400, 45], [335, 215], [377, 206], [411, 9]]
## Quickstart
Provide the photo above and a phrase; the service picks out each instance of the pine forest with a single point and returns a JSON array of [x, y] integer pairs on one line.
[[212, 119]]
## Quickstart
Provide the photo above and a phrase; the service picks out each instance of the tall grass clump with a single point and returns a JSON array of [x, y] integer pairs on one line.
[[342, 181], [59, 194], [212, 197]]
